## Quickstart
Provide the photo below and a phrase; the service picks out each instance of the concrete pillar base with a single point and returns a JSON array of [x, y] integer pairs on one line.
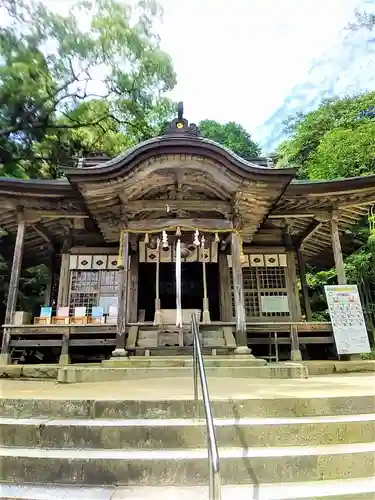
[[243, 349], [64, 359], [5, 359], [119, 354], [296, 355]]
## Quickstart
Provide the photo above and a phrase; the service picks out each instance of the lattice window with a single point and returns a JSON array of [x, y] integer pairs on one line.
[[261, 282], [87, 287]]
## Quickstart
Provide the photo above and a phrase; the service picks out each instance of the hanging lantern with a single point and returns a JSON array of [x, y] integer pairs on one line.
[[203, 240], [178, 232], [146, 238], [196, 238], [217, 239]]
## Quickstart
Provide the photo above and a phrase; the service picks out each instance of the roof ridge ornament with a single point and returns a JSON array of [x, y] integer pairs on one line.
[[180, 126]]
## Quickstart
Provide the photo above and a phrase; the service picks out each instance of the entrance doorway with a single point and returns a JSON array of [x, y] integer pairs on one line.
[[192, 287]]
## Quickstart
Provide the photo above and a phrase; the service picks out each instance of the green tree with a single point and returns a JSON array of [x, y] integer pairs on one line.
[[231, 135], [334, 141], [68, 89], [337, 141]]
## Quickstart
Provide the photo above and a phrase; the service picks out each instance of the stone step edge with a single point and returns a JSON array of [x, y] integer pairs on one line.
[[277, 491], [188, 422], [186, 454]]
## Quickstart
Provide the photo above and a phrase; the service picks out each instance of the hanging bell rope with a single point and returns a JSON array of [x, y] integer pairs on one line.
[[206, 310], [157, 315], [178, 285]]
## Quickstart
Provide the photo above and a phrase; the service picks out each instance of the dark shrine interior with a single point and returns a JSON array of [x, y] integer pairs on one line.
[[192, 287]]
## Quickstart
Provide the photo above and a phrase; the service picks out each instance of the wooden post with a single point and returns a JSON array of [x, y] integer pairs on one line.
[[157, 314], [64, 281], [120, 351], [225, 292], [294, 303], [239, 299], [64, 355], [64, 277], [337, 252], [49, 285], [13, 288], [304, 285]]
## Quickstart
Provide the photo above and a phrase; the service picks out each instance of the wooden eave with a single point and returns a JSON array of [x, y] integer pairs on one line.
[[170, 145], [307, 208], [139, 182], [48, 207]]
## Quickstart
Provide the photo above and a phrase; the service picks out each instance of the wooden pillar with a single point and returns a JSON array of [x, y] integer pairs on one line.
[[64, 277], [304, 285], [337, 252], [49, 285], [13, 287], [120, 351], [64, 281], [225, 288], [294, 304], [239, 299]]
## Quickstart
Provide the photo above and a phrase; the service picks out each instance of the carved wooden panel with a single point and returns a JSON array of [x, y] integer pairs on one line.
[[84, 262], [99, 262]]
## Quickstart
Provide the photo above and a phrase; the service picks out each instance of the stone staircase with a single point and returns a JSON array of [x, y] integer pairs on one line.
[[141, 367], [283, 448]]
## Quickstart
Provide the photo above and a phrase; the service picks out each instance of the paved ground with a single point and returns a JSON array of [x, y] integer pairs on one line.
[[353, 488], [182, 388]]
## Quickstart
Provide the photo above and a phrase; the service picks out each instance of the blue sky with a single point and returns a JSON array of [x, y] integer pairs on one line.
[[238, 59]]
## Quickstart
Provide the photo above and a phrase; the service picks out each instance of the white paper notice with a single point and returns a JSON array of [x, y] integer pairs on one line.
[[348, 322]]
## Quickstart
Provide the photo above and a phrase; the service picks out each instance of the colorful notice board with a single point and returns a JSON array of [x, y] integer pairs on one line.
[[348, 322]]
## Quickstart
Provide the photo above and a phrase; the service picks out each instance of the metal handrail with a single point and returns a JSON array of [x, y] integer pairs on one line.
[[213, 454]]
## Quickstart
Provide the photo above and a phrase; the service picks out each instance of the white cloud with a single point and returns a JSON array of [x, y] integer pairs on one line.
[[237, 60]]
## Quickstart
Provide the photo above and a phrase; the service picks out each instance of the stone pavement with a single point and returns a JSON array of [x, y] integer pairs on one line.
[[182, 388], [352, 489]]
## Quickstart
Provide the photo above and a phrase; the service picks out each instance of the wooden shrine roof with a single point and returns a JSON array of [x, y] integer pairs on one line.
[[48, 207], [188, 177], [307, 207]]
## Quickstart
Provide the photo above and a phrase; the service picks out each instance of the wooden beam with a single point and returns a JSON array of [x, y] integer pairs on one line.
[[36, 214], [312, 228], [44, 234], [300, 214], [174, 205], [161, 224]]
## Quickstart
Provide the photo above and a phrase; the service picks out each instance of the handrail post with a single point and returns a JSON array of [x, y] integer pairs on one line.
[[213, 455]]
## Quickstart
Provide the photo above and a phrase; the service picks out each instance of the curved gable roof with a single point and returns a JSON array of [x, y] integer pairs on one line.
[[177, 144]]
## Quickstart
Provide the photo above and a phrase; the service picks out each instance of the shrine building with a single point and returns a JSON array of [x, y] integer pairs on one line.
[[174, 226]]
